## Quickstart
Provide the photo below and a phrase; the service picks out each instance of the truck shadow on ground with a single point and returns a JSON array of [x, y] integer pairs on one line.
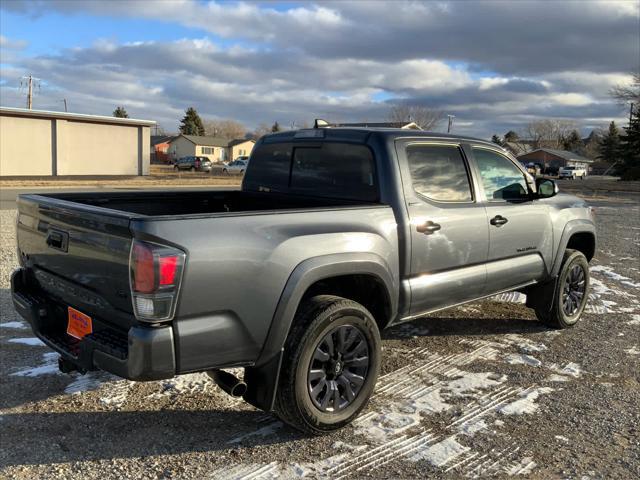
[[49, 438]]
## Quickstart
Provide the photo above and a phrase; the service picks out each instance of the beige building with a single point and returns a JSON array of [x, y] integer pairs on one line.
[[217, 149], [42, 143]]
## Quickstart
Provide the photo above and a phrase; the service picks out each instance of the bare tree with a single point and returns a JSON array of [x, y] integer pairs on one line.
[[426, 118], [548, 133], [224, 128], [626, 94], [261, 130]]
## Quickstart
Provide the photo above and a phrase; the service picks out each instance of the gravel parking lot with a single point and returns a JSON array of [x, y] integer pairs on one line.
[[475, 391]]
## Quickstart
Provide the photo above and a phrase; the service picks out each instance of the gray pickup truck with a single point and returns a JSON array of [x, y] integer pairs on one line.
[[335, 234]]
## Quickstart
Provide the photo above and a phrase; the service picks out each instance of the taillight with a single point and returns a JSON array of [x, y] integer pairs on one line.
[[156, 272], [168, 270], [143, 267]]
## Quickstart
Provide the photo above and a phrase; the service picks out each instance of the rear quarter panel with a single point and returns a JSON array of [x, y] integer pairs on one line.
[[237, 268]]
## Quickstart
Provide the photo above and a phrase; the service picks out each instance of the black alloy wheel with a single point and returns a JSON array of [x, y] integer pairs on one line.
[[573, 290], [338, 368]]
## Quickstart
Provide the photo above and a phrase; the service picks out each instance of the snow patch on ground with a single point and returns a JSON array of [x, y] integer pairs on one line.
[[524, 467], [89, 381], [510, 297], [635, 320], [49, 366], [442, 452], [633, 350], [31, 341], [557, 378], [185, 384], [571, 368], [526, 403], [608, 272], [562, 438], [17, 325], [522, 359], [117, 394]]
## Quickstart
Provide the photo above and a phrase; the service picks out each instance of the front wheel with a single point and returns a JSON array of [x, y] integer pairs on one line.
[[330, 365], [571, 292]]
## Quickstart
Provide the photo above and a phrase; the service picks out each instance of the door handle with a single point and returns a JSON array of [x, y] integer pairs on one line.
[[498, 221], [428, 227]]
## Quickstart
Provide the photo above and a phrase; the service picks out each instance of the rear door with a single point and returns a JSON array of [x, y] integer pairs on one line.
[[520, 231], [449, 228]]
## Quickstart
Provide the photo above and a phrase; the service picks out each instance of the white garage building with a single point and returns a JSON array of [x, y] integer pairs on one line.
[[42, 143]]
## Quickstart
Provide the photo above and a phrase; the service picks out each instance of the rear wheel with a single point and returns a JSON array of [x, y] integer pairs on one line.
[[571, 293], [330, 365]]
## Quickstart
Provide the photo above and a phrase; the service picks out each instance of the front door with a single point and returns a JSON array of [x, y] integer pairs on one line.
[[449, 229], [520, 230]]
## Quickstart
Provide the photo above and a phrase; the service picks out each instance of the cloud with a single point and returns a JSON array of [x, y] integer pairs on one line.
[[491, 64], [10, 44]]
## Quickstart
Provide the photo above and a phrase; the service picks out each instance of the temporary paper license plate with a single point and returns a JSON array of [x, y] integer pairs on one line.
[[79, 324]]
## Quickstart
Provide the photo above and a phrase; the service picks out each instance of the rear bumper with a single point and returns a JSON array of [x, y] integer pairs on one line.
[[142, 353]]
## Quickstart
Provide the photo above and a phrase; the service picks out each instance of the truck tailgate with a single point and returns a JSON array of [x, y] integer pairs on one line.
[[79, 255]]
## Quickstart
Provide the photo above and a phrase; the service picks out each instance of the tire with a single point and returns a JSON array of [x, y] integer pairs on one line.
[[224, 170], [300, 401], [565, 313]]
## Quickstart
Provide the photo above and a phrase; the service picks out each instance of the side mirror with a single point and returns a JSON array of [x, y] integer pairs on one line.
[[546, 187]]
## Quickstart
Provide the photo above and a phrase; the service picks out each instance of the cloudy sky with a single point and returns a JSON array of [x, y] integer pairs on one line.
[[494, 65]]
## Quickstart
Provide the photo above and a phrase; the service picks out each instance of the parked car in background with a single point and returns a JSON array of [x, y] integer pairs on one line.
[[199, 164], [572, 172], [237, 166]]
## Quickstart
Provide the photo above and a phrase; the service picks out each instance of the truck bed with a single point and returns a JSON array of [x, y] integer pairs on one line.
[[161, 203]]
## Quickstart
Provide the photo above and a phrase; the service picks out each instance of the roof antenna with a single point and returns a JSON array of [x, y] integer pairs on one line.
[[319, 123]]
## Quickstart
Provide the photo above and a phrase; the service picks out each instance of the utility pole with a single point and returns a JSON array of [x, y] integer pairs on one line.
[[65, 104], [630, 112], [451, 117], [30, 83], [30, 93]]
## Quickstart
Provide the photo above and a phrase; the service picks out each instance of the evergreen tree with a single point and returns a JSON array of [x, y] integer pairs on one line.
[[120, 112], [511, 136], [497, 140], [572, 142], [191, 123], [609, 146], [630, 144], [275, 127]]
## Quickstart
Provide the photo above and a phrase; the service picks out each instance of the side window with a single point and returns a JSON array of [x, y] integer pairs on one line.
[[501, 179], [438, 172]]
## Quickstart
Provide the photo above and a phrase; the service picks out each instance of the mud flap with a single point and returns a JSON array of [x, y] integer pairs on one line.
[[262, 383], [540, 297]]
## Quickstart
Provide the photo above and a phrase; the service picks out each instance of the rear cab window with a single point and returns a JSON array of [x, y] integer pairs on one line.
[[439, 173], [324, 169]]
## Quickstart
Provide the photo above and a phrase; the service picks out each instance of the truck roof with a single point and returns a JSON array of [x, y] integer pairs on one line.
[[362, 133]]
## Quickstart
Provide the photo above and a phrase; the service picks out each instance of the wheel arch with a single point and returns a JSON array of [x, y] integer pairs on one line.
[[578, 235], [336, 274]]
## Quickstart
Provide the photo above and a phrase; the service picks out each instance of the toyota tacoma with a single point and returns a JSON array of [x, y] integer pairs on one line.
[[336, 234]]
